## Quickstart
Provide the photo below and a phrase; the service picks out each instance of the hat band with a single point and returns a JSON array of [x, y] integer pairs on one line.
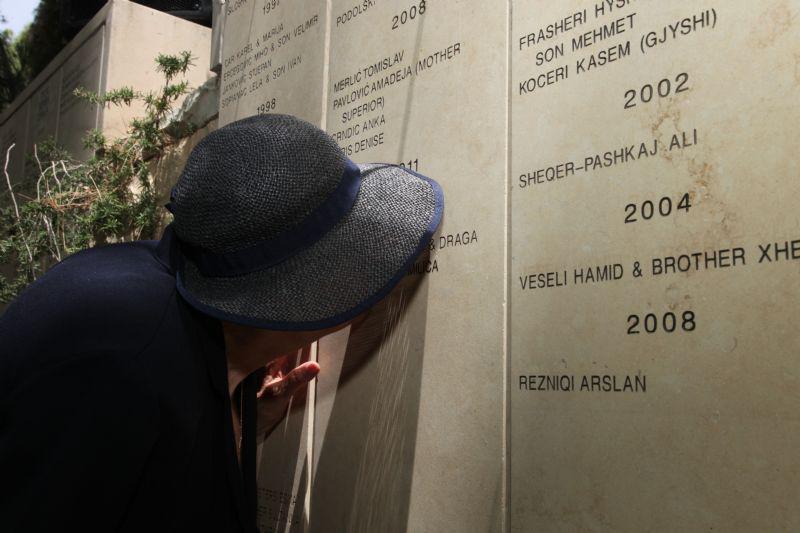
[[273, 251]]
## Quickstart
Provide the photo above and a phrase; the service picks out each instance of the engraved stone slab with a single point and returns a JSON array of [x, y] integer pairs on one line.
[[43, 119], [273, 59], [283, 468], [413, 437], [76, 116], [655, 244]]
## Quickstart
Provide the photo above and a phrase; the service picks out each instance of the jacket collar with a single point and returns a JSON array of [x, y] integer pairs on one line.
[[167, 253], [167, 250]]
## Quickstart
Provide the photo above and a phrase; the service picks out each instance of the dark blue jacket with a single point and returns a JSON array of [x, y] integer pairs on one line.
[[114, 408]]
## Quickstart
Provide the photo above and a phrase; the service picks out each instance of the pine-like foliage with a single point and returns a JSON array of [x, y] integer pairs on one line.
[[76, 204]]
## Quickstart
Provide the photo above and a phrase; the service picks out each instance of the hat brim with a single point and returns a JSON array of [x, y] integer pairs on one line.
[[351, 268]]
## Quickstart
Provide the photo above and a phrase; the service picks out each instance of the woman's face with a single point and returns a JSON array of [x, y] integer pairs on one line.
[[271, 344]]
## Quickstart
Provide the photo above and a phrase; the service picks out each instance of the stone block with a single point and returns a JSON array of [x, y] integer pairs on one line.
[[116, 48], [652, 356], [273, 56], [602, 336]]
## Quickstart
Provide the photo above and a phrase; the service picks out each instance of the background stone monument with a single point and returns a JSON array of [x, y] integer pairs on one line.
[[604, 337], [116, 48]]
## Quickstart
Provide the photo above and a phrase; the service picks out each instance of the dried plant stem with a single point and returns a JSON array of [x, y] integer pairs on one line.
[[16, 209], [55, 175], [54, 249], [8, 179]]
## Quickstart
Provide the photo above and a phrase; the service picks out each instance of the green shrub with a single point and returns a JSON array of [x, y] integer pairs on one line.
[[77, 204]]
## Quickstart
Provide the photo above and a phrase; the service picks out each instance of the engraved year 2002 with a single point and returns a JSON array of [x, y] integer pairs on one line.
[[664, 88]]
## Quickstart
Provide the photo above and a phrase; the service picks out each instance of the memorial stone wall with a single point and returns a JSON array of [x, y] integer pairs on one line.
[[116, 48], [604, 336]]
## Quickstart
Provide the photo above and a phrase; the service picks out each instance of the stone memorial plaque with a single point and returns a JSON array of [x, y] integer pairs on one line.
[[655, 266], [43, 120], [283, 466], [273, 59], [15, 132], [82, 69], [408, 436]]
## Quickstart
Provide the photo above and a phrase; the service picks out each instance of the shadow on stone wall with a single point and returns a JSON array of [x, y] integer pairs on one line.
[[364, 423], [166, 170], [366, 433], [194, 119]]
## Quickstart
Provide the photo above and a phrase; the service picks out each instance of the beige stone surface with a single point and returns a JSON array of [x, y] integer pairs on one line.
[[413, 439], [283, 465], [137, 35], [44, 113], [710, 444], [273, 59], [83, 68]]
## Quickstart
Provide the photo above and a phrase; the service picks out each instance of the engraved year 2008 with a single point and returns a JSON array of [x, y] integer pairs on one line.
[[664, 88], [668, 323], [407, 15]]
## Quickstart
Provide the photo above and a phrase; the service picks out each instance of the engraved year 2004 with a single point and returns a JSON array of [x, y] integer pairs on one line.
[[649, 209], [664, 88]]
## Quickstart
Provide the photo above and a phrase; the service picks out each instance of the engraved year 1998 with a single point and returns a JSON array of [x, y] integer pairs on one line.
[[407, 15], [662, 89], [668, 323], [648, 209], [267, 106]]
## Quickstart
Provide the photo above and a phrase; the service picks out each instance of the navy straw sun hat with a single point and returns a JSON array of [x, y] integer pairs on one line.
[[278, 229]]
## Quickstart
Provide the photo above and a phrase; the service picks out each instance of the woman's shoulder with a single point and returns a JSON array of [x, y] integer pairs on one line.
[[107, 301]]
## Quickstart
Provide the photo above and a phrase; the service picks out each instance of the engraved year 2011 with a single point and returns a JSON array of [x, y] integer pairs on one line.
[[412, 164], [667, 323], [267, 106], [407, 15], [269, 5], [662, 89], [664, 207]]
